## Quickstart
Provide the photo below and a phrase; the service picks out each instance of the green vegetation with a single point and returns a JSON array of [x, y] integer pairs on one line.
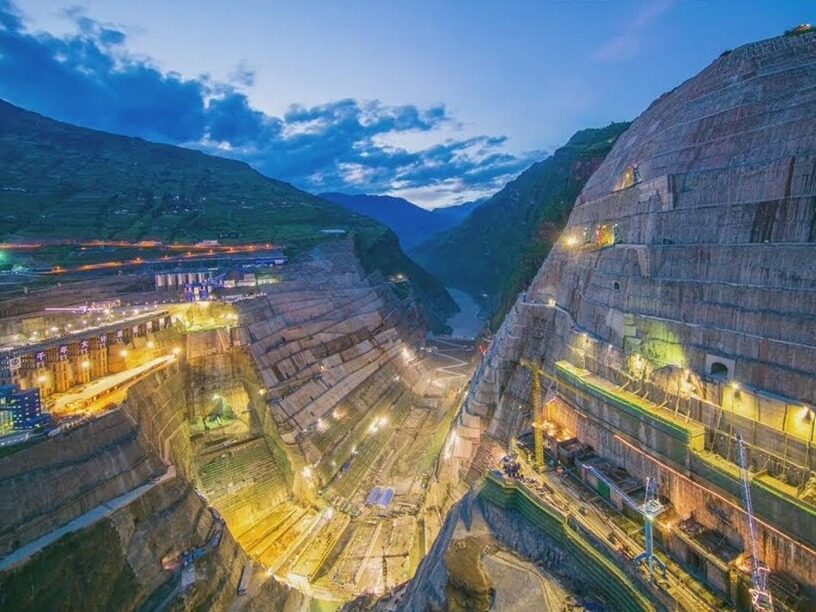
[[62, 181], [379, 251], [500, 246], [597, 569], [468, 587], [60, 577]]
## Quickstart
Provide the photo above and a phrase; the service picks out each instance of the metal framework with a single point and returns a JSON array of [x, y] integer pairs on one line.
[[537, 404], [760, 592], [650, 509]]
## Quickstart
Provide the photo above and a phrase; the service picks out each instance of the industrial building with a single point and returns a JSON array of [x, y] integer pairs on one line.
[[19, 409]]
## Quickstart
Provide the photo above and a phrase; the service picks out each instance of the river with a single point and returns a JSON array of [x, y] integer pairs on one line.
[[467, 322]]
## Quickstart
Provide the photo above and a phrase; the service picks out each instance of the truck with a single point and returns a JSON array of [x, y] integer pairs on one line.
[[246, 576]]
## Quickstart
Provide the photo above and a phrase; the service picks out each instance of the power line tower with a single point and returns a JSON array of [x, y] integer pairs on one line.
[[537, 404], [761, 598]]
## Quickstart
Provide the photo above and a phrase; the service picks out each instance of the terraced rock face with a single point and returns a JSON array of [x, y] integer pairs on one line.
[[50, 484], [687, 275], [298, 429], [310, 405]]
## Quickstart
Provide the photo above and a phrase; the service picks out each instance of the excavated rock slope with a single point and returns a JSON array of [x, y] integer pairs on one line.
[[687, 274]]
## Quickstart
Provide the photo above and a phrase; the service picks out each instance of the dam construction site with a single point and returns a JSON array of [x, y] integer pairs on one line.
[[262, 427]]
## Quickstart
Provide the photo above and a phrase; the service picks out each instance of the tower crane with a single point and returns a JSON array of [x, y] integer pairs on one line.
[[537, 404], [761, 598], [650, 509]]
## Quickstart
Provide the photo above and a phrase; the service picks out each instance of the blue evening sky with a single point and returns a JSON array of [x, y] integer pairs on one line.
[[437, 101]]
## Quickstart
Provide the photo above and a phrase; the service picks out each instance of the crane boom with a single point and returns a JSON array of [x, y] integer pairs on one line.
[[537, 408], [760, 593], [650, 509]]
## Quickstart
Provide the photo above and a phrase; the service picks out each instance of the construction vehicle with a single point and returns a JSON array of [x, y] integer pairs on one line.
[[761, 599]]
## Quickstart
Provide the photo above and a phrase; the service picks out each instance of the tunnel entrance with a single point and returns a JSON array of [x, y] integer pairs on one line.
[[718, 370]]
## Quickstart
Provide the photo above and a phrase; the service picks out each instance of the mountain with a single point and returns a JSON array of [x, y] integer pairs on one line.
[[410, 222], [497, 249], [62, 181], [458, 212]]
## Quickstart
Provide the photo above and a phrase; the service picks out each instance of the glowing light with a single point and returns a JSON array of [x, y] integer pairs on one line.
[[123, 353], [739, 508], [41, 379], [307, 472], [216, 397], [151, 344], [86, 364], [176, 350], [571, 241], [735, 385], [261, 392]]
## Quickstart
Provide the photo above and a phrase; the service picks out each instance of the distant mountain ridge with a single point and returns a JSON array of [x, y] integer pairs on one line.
[[412, 224], [63, 181], [458, 212], [497, 249]]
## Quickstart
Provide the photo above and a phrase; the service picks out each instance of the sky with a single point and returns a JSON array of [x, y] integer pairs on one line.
[[437, 101]]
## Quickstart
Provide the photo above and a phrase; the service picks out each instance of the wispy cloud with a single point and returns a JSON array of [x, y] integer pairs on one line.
[[91, 79], [628, 42]]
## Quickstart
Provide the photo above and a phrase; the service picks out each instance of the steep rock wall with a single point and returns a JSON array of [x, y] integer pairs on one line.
[[687, 274], [117, 562], [53, 482]]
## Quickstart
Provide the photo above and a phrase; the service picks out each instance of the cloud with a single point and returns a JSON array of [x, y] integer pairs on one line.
[[89, 78], [627, 44]]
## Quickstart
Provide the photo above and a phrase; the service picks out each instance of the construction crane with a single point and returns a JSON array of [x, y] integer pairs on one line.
[[537, 404], [650, 509], [760, 592]]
